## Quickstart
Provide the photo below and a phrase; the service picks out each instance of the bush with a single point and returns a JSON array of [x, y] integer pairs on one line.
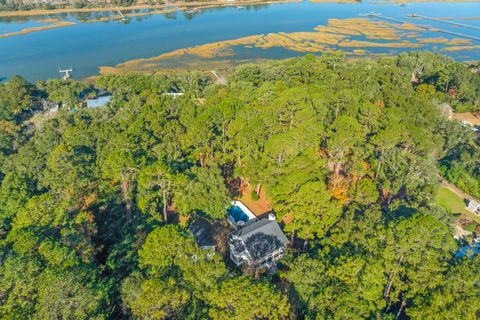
[[470, 227]]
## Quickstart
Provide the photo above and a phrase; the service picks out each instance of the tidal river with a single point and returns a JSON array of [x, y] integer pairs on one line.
[[147, 40]]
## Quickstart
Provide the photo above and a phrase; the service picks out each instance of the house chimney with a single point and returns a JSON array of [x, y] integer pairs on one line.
[[271, 217]]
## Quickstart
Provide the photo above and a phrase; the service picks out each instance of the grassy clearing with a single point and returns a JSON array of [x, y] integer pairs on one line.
[[453, 203]]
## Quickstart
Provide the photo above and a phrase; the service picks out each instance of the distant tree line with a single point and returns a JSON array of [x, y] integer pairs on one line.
[[12, 5]]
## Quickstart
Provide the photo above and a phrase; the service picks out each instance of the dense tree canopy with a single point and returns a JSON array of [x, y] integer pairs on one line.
[[94, 202]]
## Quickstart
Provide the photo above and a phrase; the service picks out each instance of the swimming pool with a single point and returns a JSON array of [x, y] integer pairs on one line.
[[239, 212]]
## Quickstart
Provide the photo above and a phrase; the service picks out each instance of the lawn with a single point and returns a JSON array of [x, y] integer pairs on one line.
[[453, 203]]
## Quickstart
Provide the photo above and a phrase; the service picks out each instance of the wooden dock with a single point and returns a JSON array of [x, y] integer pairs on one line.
[[427, 28], [453, 23]]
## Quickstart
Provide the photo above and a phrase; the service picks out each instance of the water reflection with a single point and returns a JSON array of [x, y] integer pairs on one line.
[[139, 15], [152, 32]]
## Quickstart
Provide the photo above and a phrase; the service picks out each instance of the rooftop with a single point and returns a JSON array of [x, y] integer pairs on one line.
[[209, 235], [265, 226], [98, 102], [259, 239]]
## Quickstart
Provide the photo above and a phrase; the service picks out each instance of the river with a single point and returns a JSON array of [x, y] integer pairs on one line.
[[85, 46]]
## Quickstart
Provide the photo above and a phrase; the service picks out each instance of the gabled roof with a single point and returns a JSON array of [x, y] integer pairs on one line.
[[202, 231], [260, 238], [265, 226]]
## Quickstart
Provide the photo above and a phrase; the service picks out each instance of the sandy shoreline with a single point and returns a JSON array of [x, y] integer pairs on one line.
[[59, 24], [158, 9], [176, 5], [182, 4], [414, 1]]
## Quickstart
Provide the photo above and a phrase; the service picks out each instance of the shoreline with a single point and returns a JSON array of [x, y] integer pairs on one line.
[[190, 6], [183, 4], [174, 5], [336, 35], [158, 9], [55, 25]]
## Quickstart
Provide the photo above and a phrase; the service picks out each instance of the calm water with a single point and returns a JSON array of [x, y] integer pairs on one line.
[[86, 46]]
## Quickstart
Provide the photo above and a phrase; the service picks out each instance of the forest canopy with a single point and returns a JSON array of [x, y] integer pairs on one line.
[[95, 203]]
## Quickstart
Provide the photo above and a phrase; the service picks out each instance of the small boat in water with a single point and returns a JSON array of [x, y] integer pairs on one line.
[[192, 11]]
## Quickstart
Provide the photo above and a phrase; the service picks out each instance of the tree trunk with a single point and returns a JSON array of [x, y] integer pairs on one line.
[[379, 165], [388, 288], [257, 190], [224, 148], [401, 308], [126, 198], [239, 160], [305, 244], [164, 186], [201, 160], [280, 158], [164, 195], [386, 293]]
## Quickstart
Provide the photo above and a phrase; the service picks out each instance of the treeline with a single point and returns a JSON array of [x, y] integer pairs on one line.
[[462, 168], [13, 5], [348, 153]]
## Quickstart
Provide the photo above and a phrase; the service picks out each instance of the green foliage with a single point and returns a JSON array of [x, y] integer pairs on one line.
[[460, 280], [347, 152], [187, 276], [15, 98], [154, 298], [471, 227], [204, 193], [160, 250], [241, 298], [462, 167], [71, 295], [68, 93]]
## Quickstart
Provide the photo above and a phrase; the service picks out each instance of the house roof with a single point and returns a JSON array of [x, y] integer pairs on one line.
[[202, 232], [473, 203], [261, 237], [269, 227], [98, 102]]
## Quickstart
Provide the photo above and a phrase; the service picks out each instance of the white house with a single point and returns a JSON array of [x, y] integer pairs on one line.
[[474, 207], [258, 243]]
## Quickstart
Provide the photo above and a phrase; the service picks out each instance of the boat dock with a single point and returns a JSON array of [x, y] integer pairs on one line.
[[457, 24], [373, 15]]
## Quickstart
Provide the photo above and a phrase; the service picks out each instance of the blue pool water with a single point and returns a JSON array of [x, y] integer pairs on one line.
[[237, 214]]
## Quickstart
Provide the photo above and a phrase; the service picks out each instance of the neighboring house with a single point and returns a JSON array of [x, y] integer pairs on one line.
[[98, 102], [258, 243], [474, 207], [202, 231]]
